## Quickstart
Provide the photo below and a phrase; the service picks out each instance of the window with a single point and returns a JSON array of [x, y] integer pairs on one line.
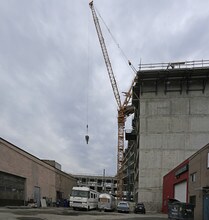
[[79, 193], [193, 177], [103, 200], [192, 200]]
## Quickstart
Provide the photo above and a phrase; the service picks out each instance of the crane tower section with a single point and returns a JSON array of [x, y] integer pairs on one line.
[[123, 109]]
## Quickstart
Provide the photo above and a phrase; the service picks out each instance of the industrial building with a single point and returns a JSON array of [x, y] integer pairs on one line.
[[175, 185], [189, 182], [25, 178], [99, 183], [170, 123], [199, 183]]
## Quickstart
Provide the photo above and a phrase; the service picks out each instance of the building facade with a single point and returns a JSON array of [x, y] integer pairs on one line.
[[199, 183], [25, 178], [189, 182], [128, 169], [99, 183], [171, 123]]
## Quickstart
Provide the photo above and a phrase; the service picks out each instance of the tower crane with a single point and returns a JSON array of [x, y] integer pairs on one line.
[[123, 108]]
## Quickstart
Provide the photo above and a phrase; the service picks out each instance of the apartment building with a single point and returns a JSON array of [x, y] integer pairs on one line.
[[99, 183]]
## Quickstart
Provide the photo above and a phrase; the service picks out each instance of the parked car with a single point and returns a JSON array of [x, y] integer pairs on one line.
[[123, 207], [140, 208]]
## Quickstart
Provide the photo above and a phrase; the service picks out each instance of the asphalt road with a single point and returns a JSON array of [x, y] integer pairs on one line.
[[68, 214]]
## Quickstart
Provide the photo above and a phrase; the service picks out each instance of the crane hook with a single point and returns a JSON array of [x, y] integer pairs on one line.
[[87, 136]]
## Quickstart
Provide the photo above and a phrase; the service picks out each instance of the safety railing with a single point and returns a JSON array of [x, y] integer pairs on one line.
[[174, 65]]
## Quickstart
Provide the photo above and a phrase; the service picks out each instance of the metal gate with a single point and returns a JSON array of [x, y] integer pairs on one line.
[[206, 207]]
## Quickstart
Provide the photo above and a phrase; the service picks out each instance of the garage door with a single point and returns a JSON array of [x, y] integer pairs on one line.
[[180, 191], [12, 189]]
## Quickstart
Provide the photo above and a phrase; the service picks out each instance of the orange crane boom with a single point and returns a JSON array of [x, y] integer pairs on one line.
[[106, 56], [122, 108]]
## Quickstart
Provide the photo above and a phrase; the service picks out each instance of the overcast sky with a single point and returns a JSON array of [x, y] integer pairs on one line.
[[53, 79]]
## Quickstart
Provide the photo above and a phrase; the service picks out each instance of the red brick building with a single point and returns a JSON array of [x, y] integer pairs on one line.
[[175, 185]]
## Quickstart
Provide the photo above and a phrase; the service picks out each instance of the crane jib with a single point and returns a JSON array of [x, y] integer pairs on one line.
[[106, 56]]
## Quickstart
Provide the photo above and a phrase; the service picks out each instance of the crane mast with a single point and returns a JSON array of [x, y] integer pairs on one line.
[[121, 114]]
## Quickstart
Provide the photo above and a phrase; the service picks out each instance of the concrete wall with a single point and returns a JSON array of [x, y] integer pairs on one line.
[[15, 161], [64, 184], [173, 126]]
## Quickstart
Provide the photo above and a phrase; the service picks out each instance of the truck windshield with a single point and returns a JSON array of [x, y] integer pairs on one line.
[[79, 193]]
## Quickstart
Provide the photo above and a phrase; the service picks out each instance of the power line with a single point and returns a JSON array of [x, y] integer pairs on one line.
[[117, 44]]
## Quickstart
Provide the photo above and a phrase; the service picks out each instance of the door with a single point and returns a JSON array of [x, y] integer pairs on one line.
[[206, 207], [37, 195], [180, 191]]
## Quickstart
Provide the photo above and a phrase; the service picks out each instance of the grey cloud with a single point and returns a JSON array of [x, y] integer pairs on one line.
[[53, 77]]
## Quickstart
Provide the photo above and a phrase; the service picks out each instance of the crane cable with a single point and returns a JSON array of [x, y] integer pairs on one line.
[[117, 44], [87, 93]]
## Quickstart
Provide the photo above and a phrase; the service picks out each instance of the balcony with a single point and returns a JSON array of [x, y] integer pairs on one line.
[[130, 135]]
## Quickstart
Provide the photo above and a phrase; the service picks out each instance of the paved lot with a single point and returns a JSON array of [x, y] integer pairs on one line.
[[68, 214]]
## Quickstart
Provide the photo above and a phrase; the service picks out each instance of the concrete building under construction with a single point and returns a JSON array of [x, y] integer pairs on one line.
[[99, 183], [170, 123]]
